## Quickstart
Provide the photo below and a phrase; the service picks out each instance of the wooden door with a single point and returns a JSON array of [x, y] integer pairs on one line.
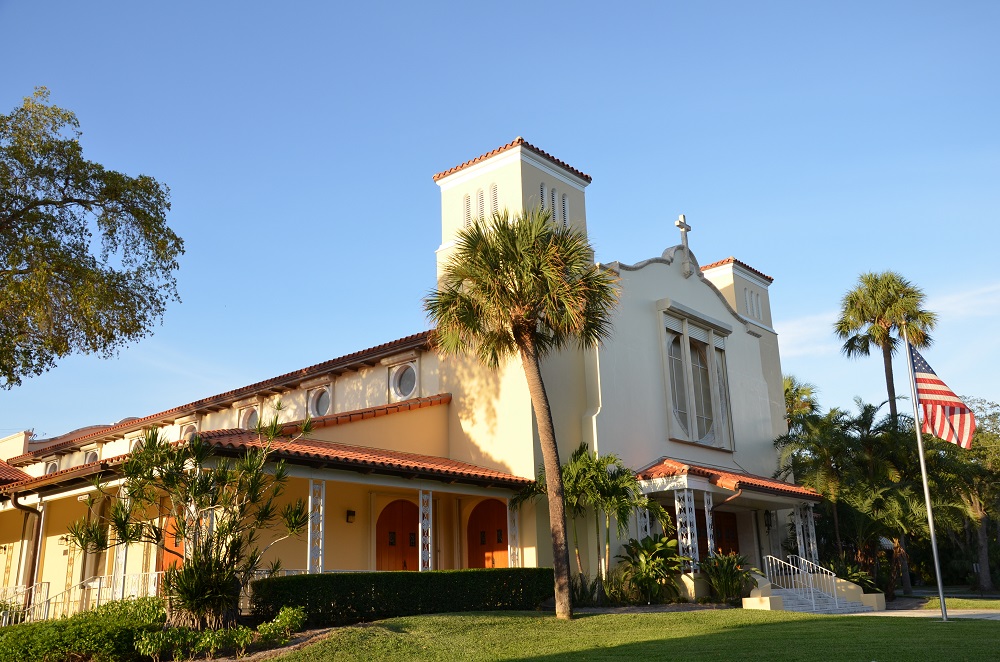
[[172, 542], [487, 535], [727, 537], [397, 536]]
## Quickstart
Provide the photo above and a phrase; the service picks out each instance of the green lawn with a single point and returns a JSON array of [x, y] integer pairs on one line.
[[962, 603], [702, 635]]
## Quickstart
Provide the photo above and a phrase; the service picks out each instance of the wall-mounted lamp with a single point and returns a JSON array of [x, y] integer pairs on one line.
[[350, 516], [64, 540]]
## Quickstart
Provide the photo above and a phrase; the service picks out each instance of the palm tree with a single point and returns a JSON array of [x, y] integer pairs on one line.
[[873, 314], [800, 400], [816, 455], [523, 287]]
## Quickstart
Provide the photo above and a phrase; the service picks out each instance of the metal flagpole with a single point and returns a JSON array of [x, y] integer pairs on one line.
[[923, 473]]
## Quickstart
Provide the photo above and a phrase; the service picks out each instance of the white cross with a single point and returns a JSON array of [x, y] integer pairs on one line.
[[682, 225]]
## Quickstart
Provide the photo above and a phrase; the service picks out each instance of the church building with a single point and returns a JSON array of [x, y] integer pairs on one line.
[[413, 455]]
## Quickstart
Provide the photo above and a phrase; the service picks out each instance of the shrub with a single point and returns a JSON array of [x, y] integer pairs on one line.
[[854, 574], [108, 633], [345, 598], [728, 575], [279, 631], [650, 565]]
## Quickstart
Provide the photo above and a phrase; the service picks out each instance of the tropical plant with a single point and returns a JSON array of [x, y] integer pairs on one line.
[[873, 314], [651, 564], [800, 401], [523, 287], [853, 573], [218, 507], [729, 575]]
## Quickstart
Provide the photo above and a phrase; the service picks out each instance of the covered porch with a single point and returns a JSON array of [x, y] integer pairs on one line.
[[721, 510]]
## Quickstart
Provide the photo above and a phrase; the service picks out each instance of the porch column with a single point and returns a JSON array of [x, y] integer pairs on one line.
[[317, 518], [513, 539], [687, 529], [426, 522], [800, 534], [812, 549], [709, 525], [642, 523]]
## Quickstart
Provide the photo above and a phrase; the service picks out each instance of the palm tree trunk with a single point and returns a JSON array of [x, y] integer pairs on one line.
[[890, 385], [985, 578], [836, 530], [576, 547], [904, 567], [553, 475]]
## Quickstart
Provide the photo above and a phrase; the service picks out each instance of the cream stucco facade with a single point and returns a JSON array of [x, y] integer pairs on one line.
[[687, 391]]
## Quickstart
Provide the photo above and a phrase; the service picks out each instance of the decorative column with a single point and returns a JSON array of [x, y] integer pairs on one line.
[[809, 526], [513, 540], [687, 529], [317, 518], [642, 523], [426, 521], [800, 534], [709, 524]]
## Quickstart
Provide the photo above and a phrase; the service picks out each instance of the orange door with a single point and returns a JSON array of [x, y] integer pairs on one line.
[[173, 542], [397, 537], [487, 535]]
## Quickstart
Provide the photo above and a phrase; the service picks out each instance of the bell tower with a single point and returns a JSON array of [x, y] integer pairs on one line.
[[514, 177]]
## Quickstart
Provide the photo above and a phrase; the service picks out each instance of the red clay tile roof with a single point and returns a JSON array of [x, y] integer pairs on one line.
[[519, 141], [368, 356], [326, 454], [9, 474], [730, 480], [733, 260]]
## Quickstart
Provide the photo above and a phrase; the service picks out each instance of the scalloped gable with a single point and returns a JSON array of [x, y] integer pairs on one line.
[[667, 258]]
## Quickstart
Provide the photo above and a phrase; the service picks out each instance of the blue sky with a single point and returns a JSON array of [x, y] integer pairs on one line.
[[813, 141]]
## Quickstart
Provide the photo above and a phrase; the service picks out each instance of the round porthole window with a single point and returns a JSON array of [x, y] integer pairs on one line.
[[91, 456], [320, 402], [404, 381], [51, 468], [250, 419], [188, 432]]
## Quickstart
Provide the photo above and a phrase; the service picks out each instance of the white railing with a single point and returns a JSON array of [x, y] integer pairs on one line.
[[788, 577], [821, 579], [16, 600], [261, 574], [88, 594]]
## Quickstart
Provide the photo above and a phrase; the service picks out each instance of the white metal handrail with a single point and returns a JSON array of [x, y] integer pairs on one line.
[[788, 577], [88, 594], [18, 600], [822, 579]]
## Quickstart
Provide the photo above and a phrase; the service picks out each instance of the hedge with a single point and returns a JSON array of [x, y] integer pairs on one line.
[[355, 597], [103, 634]]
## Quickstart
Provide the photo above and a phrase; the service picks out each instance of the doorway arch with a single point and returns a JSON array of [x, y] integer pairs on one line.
[[397, 538], [487, 535]]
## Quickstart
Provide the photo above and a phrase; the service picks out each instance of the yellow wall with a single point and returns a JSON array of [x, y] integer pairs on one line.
[[422, 431]]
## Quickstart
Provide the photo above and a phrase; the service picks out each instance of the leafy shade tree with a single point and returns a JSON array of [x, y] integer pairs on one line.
[[523, 287], [872, 316], [217, 506], [61, 292]]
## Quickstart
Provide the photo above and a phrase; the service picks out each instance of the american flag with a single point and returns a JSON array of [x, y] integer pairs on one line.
[[945, 416]]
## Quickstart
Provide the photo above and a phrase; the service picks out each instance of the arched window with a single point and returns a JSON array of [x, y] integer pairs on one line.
[[699, 390], [250, 418], [467, 209], [494, 199]]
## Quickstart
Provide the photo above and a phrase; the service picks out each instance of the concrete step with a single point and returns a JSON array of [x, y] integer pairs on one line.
[[793, 601]]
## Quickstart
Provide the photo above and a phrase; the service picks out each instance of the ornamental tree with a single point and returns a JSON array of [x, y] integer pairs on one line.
[[218, 507]]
